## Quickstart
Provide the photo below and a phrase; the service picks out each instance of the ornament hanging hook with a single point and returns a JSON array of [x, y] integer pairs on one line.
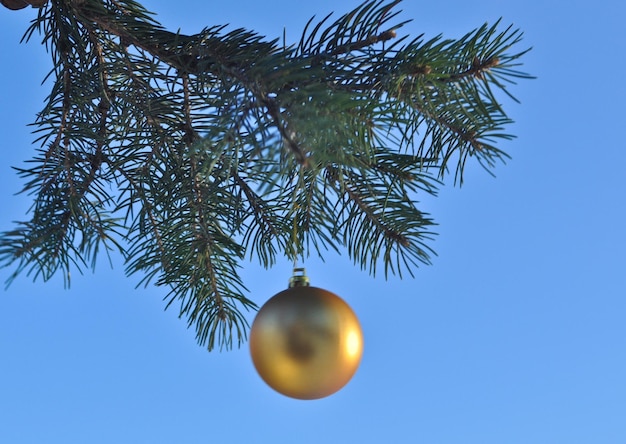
[[299, 278]]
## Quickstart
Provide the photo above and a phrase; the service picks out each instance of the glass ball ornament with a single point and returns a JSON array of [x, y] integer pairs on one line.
[[306, 342]]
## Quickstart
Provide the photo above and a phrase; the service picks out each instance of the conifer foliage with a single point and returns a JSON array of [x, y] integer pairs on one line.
[[189, 154]]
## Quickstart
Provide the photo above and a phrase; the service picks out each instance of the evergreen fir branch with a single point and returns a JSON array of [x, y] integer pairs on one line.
[[188, 153], [379, 217], [264, 231]]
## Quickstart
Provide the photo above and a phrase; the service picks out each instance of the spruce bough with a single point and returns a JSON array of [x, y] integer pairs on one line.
[[189, 154]]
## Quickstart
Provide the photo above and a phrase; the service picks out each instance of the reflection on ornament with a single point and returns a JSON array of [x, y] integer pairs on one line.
[[306, 342]]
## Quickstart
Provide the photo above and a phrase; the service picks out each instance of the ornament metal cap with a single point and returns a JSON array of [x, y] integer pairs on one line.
[[299, 278]]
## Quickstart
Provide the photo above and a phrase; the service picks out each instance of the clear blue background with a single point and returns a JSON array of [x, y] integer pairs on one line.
[[516, 334]]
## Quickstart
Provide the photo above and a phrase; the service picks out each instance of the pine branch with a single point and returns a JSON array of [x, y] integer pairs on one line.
[[189, 152]]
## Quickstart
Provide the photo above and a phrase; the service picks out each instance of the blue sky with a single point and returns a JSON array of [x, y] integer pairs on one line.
[[515, 334]]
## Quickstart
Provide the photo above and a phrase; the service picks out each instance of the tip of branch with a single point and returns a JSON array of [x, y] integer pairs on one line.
[[387, 35]]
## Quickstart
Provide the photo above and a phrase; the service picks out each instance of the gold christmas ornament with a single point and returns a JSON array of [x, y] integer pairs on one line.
[[306, 342]]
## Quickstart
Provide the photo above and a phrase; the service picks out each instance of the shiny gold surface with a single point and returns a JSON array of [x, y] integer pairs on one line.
[[306, 342]]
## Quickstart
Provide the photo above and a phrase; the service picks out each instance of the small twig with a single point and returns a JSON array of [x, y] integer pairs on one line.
[[290, 142], [371, 40], [477, 69]]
